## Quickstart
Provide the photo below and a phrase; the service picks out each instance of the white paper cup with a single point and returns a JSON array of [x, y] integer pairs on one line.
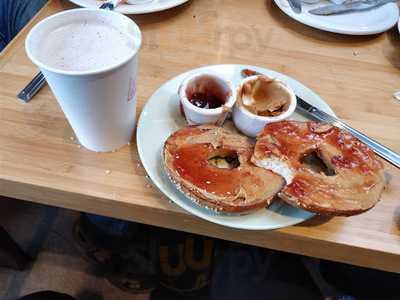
[[99, 104]]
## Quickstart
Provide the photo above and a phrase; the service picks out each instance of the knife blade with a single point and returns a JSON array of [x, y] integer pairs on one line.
[[295, 5], [348, 6], [381, 150]]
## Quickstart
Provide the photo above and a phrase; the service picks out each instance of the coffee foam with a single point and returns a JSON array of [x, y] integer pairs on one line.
[[87, 44]]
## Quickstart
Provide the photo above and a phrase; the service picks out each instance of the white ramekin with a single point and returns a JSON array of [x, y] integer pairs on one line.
[[251, 124], [196, 115]]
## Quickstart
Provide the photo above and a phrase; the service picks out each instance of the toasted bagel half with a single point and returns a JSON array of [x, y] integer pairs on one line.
[[211, 165], [327, 170]]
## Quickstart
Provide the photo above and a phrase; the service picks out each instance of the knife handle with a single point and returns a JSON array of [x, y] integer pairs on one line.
[[383, 151], [32, 88]]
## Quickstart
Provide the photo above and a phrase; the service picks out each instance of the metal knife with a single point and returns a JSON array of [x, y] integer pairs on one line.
[[34, 86], [384, 152], [348, 6], [309, 110], [295, 5]]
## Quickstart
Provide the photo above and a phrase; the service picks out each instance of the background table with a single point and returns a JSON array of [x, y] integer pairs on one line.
[[40, 160]]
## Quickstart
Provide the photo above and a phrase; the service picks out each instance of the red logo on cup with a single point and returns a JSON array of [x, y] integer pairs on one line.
[[132, 89]]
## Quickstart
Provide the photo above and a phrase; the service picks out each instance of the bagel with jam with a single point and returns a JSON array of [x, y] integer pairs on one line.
[[327, 170], [212, 166]]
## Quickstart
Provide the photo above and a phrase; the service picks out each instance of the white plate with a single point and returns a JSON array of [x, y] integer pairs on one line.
[[371, 21], [161, 117], [146, 7]]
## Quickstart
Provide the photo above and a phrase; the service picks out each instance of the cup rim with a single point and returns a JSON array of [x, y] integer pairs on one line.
[[284, 115], [206, 111], [42, 65]]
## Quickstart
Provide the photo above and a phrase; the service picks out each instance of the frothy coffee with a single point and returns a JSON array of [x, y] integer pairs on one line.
[[85, 45]]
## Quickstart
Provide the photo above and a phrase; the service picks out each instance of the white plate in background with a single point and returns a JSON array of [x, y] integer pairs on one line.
[[371, 21], [147, 6]]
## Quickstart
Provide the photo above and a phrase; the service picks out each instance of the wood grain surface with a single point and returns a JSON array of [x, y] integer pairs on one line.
[[41, 161]]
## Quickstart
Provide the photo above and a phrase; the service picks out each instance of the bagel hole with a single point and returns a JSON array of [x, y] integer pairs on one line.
[[316, 164], [227, 160]]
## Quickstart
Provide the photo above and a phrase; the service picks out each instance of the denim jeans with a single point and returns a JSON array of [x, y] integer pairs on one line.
[[14, 14]]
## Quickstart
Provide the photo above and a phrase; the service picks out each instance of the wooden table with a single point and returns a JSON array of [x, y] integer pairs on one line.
[[41, 162]]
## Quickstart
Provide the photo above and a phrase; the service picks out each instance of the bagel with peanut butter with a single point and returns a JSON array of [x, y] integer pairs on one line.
[[327, 170], [212, 166]]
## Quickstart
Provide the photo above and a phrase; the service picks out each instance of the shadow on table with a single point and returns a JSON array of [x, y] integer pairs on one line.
[[392, 50], [310, 32], [315, 221], [319, 220]]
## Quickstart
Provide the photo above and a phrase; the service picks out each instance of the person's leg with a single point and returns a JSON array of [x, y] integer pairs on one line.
[[99, 237], [115, 230], [185, 265], [363, 283], [136, 257], [124, 252], [14, 14], [243, 272]]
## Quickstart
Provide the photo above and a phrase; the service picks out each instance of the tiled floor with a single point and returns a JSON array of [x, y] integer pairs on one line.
[[45, 233]]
